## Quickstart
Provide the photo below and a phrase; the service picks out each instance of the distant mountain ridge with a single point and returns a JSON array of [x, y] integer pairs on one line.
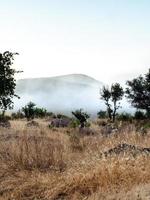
[[77, 79], [61, 93]]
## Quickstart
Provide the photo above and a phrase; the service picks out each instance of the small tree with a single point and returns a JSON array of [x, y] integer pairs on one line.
[[7, 81], [138, 92], [29, 110], [81, 117], [116, 95], [112, 97], [106, 96]]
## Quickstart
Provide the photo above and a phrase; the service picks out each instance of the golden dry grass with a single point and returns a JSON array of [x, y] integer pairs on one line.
[[61, 164]]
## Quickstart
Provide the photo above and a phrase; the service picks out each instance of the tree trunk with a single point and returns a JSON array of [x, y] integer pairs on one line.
[[3, 113], [114, 112], [82, 125]]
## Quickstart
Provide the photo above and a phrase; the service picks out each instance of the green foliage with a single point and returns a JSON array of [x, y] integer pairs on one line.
[[61, 116], [111, 97], [7, 81], [40, 112], [81, 117], [50, 114], [102, 114], [139, 115], [106, 96], [74, 123], [138, 92], [87, 124], [124, 116], [29, 110]]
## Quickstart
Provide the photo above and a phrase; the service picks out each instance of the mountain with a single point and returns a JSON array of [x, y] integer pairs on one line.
[[61, 93]]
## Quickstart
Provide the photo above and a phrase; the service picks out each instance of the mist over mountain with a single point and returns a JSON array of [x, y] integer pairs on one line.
[[61, 93]]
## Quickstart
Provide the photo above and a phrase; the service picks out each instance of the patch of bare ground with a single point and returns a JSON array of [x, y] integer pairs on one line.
[[64, 164]]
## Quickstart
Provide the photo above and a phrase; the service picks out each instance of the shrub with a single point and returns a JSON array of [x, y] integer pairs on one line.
[[124, 117], [74, 123], [139, 115], [62, 116], [29, 111], [40, 112], [4, 121], [81, 117], [5, 118], [102, 114], [17, 115], [50, 114]]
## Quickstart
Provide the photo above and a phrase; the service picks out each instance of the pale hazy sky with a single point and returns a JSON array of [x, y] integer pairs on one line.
[[106, 39]]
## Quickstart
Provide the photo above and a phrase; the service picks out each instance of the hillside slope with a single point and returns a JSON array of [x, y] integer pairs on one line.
[[61, 93]]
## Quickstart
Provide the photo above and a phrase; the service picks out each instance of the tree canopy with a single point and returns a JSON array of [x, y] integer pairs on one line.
[[7, 81], [138, 92], [111, 98]]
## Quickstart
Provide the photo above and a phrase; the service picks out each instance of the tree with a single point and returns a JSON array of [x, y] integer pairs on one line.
[[112, 97], [7, 81], [116, 95], [138, 92], [81, 117], [106, 96], [29, 110]]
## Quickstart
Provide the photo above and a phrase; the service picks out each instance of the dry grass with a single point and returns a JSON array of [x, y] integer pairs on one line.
[[62, 164]]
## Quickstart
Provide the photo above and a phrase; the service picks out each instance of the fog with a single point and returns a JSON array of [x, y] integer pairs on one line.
[[63, 94], [60, 94]]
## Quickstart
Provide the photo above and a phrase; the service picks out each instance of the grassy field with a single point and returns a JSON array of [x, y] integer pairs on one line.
[[39, 163]]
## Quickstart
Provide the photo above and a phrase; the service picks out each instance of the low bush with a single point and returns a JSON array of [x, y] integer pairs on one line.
[[124, 117], [102, 114], [139, 115]]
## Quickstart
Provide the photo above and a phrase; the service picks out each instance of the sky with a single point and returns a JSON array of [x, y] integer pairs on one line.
[[106, 39]]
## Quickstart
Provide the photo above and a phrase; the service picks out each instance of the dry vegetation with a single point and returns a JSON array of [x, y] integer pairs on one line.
[[39, 163]]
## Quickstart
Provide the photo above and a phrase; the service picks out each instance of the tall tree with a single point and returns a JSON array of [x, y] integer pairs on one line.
[[106, 96], [138, 92], [7, 81], [111, 98], [116, 95]]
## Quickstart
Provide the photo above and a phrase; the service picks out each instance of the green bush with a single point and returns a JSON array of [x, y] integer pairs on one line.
[[62, 116], [124, 117], [29, 110], [40, 112], [102, 114], [139, 115], [74, 123], [81, 117]]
